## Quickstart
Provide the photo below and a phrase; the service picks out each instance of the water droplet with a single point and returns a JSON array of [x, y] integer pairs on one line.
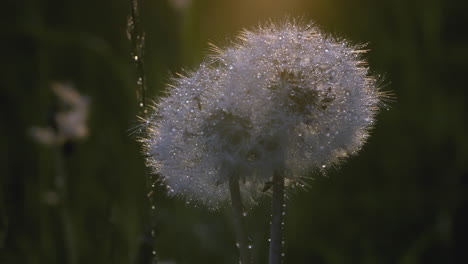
[[324, 166], [250, 246]]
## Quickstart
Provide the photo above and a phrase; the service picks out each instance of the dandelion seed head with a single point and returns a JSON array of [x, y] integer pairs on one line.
[[321, 100], [283, 97]]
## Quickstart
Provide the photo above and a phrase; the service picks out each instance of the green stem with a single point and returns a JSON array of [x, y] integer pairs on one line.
[[237, 211], [277, 208], [66, 219], [137, 37]]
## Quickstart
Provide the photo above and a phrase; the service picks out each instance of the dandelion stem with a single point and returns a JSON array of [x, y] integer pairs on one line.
[[237, 210], [277, 209]]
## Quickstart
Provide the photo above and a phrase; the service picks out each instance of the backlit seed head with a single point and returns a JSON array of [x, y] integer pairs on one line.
[[283, 97]]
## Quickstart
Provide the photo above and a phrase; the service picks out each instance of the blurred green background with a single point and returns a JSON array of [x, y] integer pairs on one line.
[[403, 200]]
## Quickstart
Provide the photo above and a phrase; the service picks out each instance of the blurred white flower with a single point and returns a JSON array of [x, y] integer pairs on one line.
[[71, 122], [284, 97]]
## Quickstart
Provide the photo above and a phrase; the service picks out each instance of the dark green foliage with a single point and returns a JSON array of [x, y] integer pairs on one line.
[[403, 200]]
